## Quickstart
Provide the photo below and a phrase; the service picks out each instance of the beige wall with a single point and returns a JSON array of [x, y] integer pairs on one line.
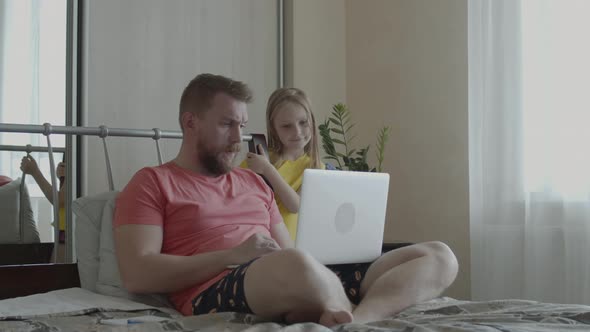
[[405, 65]]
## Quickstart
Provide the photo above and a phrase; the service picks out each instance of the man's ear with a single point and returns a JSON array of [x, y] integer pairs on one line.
[[188, 120]]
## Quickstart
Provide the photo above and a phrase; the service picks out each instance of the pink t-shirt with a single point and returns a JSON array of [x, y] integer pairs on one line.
[[198, 214]]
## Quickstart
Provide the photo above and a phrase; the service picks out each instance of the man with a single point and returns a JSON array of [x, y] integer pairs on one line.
[[180, 228]]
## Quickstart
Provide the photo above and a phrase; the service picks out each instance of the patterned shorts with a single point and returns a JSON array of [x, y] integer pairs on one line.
[[228, 293], [351, 276]]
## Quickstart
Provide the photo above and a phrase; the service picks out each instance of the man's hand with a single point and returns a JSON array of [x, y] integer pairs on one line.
[[255, 246], [258, 163]]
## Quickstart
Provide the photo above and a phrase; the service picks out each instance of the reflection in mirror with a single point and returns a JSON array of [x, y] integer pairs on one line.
[[32, 91], [27, 219]]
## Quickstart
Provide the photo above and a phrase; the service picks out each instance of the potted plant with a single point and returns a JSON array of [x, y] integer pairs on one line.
[[337, 142]]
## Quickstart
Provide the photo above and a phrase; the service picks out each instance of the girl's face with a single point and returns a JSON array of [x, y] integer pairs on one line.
[[293, 127]]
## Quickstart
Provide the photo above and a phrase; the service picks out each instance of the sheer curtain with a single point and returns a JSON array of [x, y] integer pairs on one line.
[[32, 86], [529, 72]]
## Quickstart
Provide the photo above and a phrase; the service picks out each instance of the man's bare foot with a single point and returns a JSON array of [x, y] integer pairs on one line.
[[330, 318]]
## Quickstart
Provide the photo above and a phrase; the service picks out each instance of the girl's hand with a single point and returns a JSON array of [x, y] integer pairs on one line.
[[259, 163], [28, 165], [60, 170]]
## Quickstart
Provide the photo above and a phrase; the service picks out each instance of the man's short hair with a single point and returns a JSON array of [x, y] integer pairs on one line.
[[198, 95]]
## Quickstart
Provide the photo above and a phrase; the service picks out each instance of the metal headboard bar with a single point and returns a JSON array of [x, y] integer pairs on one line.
[[96, 131], [102, 131], [31, 148], [55, 196], [87, 131]]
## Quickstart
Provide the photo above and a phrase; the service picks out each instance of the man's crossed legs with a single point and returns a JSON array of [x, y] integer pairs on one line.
[[292, 286]]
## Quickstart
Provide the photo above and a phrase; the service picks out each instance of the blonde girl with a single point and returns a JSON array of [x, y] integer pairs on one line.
[[293, 147]]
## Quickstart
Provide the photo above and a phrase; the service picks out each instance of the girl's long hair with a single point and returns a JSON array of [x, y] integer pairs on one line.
[[277, 99]]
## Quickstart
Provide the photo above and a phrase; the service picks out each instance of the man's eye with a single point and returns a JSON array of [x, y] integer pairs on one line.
[[286, 126]]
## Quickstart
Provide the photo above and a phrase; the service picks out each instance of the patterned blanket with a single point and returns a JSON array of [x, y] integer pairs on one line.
[[443, 314]]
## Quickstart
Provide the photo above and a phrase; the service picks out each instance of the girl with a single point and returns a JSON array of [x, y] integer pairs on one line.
[[293, 147]]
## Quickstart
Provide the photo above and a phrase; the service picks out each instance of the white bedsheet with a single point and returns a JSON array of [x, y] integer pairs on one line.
[[68, 302]]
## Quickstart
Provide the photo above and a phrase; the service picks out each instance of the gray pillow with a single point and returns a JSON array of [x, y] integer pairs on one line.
[[97, 262], [88, 211], [10, 208]]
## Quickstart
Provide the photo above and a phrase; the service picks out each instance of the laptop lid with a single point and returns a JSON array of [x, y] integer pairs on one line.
[[342, 215]]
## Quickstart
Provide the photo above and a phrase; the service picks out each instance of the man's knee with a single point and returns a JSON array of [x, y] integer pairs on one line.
[[445, 258], [297, 260], [288, 266], [284, 281]]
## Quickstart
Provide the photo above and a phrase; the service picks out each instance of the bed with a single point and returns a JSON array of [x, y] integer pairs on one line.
[[76, 309], [88, 296]]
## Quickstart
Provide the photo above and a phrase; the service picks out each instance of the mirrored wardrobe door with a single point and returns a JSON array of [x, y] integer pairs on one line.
[[35, 87]]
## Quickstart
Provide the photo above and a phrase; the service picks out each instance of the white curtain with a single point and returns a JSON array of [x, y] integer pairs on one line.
[[529, 149], [32, 87], [33, 69]]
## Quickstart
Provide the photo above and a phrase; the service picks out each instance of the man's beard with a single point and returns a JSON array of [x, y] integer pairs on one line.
[[212, 161]]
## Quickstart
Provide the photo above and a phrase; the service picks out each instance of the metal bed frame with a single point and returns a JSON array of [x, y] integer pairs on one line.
[[101, 131]]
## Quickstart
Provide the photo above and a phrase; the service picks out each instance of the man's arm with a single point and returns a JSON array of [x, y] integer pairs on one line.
[[138, 236], [144, 269]]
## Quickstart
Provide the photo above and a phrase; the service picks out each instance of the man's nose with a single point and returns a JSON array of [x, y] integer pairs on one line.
[[236, 135]]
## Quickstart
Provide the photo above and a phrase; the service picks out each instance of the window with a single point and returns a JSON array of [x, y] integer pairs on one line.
[[556, 97]]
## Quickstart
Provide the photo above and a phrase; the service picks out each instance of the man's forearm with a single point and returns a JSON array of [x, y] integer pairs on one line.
[[162, 273]]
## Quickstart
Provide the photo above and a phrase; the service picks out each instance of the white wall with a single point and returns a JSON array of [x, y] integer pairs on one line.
[[140, 54], [315, 51]]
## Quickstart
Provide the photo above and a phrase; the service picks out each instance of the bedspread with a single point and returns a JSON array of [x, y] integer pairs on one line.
[[443, 314]]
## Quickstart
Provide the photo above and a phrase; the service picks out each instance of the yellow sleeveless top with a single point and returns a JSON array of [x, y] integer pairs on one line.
[[292, 172], [62, 219]]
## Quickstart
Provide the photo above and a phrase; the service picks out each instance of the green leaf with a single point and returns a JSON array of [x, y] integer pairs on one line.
[[335, 121], [338, 141], [336, 130]]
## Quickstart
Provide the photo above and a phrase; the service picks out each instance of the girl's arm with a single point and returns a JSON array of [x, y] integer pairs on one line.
[[29, 166], [288, 196], [280, 234], [261, 165]]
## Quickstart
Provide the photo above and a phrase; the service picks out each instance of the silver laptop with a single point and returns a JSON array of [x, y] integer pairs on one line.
[[342, 215]]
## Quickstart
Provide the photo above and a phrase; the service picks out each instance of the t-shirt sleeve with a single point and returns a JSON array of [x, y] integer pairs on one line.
[[141, 202]]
